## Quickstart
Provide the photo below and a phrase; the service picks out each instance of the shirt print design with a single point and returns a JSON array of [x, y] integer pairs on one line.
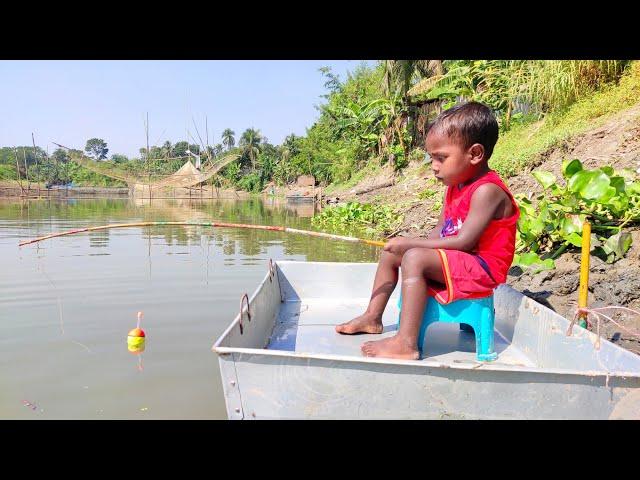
[[449, 228]]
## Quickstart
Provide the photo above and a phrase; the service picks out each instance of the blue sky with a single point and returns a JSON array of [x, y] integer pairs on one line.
[[69, 102]]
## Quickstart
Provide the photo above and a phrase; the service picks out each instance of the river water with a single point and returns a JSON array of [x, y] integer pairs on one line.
[[67, 303]]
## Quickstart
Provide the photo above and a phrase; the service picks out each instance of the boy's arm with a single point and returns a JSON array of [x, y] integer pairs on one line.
[[484, 202]]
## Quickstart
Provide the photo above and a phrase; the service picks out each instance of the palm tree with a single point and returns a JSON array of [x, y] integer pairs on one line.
[[250, 141], [227, 138], [166, 149], [399, 74]]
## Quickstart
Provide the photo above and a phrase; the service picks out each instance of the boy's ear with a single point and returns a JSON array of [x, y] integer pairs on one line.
[[477, 153]]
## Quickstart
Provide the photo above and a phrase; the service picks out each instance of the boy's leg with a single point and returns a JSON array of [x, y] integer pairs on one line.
[[419, 265], [386, 279]]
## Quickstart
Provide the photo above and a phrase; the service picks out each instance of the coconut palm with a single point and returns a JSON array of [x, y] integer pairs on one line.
[[166, 149], [251, 140], [400, 74], [228, 138]]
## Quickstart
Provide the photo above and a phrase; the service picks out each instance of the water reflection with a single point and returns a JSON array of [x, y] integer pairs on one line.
[[45, 216]]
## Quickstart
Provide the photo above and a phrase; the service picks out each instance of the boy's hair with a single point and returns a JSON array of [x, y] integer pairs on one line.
[[469, 123]]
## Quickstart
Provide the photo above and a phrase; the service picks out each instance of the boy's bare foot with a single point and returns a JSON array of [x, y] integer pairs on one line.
[[365, 323], [392, 347]]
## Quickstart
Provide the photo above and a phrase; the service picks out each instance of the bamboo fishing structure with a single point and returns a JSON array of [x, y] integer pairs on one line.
[[274, 228], [183, 178]]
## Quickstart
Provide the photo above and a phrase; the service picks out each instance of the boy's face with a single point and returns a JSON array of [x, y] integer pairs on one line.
[[451, 163]]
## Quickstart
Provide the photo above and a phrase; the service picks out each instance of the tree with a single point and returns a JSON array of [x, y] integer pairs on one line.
[[118, 158], [250, 141], [96, 148], [227, 138], [60, 155], [400, 74], [166, 149], [333, 81], [180, 149]]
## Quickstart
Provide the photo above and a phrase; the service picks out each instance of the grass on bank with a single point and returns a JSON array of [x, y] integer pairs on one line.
[[519, 148]]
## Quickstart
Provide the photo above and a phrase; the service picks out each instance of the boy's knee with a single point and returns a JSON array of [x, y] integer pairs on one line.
[[416, 257], [388, 257]]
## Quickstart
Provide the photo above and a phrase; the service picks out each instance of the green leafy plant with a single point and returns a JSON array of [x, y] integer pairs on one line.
[[353, 217], [610, 200], [250, 182], [427, 193]]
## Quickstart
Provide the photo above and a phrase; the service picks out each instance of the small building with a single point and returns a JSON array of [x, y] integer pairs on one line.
[[306, 181]]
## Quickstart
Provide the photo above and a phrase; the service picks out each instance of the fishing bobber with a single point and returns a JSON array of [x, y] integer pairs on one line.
[[136, 348], [136, 338]]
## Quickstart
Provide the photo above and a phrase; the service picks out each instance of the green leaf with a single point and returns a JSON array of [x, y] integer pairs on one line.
[[536, 226], [618, 184], [572, 224], [591, 185], [570, 167], [608, 170], [532, 261], [574, 239], [579, 180], [618, 205], [546, 179], [599, 187], [633, 187], [618, 244]]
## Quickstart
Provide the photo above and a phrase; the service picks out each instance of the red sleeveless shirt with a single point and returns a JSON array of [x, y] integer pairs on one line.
[[496, 246]]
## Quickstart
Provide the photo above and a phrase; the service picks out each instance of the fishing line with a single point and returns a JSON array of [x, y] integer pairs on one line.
[[60, 309]]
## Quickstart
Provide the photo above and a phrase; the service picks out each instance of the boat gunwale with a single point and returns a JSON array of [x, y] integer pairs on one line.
[[426, 363]]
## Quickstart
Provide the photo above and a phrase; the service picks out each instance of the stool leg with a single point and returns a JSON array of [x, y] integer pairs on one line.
[[484, 340]]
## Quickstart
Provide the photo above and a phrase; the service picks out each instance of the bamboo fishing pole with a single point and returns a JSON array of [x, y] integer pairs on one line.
[[207, 224]]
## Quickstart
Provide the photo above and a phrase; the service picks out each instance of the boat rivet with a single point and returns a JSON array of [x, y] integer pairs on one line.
[[233, 383], [237, 410]]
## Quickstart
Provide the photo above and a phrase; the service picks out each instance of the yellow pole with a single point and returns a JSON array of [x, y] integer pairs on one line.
[[584, 270]]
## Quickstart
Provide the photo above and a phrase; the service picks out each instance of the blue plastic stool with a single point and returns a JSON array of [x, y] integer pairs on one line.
[[477, 315]]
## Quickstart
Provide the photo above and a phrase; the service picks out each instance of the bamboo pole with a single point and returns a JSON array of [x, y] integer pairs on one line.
[[274, 228], [33, 140], [15, 152], [148, 164], [584, 271], [26, 171]]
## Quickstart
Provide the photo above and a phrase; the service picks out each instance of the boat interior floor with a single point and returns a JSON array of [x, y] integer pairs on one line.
[[308, 326]]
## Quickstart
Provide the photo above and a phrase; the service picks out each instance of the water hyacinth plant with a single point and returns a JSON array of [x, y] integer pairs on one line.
[[609, 199], [353, 217]]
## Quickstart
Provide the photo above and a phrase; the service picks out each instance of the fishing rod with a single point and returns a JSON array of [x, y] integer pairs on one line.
[[207, 224]]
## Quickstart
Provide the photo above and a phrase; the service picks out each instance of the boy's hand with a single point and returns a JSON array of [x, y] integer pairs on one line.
[[398, 245]]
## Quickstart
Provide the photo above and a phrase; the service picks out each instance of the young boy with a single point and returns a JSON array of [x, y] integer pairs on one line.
[[467, 254]]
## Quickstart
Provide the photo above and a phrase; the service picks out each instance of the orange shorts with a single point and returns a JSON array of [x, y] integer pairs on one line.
[[464, 278]]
